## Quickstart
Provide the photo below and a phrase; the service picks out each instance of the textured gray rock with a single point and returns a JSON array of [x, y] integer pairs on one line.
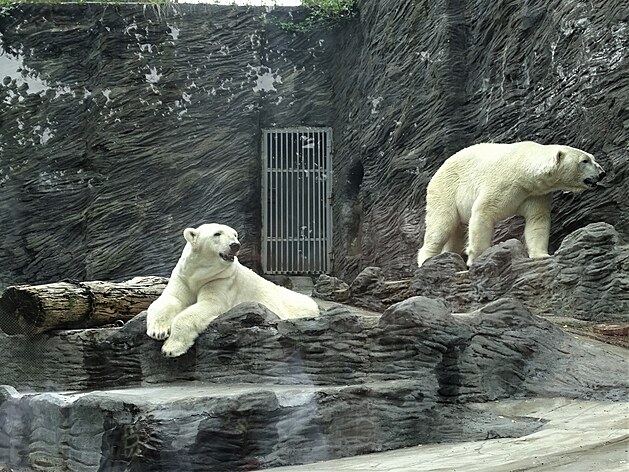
[[135, 122], [200, 427], [586, 279], [416, 81], [175, 96], [580, 436], [462, 357], [257, 391], [331, 288]]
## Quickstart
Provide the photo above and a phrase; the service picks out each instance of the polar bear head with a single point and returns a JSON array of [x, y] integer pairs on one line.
[[575, 170], [213, 242]]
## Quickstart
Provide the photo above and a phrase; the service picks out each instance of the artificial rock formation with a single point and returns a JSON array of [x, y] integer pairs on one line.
[[256, 391], [587, 278], [123, 124], [416, 81], [134, 122]]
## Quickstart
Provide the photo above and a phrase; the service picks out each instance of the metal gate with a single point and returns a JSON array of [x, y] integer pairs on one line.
[[296, 200]]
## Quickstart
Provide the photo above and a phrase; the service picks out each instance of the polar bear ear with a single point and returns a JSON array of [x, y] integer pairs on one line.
[[553, 164], [191, 235]]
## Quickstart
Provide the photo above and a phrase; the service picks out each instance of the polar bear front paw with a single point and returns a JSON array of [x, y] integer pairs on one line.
[[175, 347], [158, 327]]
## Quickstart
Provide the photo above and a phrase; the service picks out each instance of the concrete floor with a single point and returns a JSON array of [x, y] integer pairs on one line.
[[580, 436]]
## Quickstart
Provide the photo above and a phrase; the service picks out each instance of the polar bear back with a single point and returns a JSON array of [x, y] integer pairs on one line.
[[253, 288], [502, 169]]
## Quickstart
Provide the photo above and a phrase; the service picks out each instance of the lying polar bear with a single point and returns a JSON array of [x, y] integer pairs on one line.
[[485, 183], [207, 281]]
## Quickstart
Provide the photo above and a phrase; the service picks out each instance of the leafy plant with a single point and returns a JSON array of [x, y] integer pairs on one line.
[[17, 2], [322, 13]]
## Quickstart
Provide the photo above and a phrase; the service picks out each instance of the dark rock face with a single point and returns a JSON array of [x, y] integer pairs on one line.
[[421, 80], [586, 279], [201, 427], [262, 392], [249, 344], [331, 288], [134, 121]]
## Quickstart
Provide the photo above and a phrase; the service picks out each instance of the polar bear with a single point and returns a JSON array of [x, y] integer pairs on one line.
[[485, 183], [207, 281]]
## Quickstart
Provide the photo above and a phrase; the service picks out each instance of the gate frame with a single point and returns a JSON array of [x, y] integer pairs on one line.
[[328, 195]]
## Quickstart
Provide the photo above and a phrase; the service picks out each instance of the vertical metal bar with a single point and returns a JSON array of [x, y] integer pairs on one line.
[[324, 180], [308, 176], [275, 199], [329, 180], [320, 202], [280, 198], [300, 201], [285, 198], [315, 202], [264, 203], [293, 196], [310, 198], [289, 203], [274, 205], [270, 200], [289, 197], [305, 199]]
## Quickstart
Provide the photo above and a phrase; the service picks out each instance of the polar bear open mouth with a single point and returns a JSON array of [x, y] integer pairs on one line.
[[590, 182], [229, 256]]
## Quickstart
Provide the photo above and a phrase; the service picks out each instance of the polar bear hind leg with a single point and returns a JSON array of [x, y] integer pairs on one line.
[[442, 230], [457, 240]]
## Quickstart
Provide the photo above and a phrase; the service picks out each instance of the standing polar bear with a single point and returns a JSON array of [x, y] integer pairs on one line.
[[207, 281], [485, 183]]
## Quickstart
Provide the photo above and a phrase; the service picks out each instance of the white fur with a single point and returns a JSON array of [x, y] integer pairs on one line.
[[204, 284], [485, 183]]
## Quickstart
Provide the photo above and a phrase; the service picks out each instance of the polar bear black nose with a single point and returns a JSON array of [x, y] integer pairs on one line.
[[235, 247], [602, 175]]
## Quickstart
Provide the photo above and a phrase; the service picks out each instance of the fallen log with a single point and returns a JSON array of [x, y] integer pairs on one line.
[[34, 309]]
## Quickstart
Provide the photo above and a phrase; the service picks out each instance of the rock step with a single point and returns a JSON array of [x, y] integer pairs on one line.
[[578, 436], [199, 426], [497, 351]]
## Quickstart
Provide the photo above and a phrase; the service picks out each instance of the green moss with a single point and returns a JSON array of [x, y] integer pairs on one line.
[[322, 14]]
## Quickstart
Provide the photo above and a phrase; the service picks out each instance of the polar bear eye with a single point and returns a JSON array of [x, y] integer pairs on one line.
[[217, 234], [585, 161]]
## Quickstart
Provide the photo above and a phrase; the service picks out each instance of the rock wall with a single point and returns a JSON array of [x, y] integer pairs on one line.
[[131, 122], [419, 80], [587, 279], [124, 124], [256, 391]]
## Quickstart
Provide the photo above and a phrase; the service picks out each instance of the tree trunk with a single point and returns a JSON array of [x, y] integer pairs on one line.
[[33, 309]]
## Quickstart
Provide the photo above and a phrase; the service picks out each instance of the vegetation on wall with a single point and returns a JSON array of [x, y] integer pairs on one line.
[[17, 2], [322, 14]]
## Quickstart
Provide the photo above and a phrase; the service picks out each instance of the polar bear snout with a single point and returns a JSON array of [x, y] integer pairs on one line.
[[592, 180], [231, 253]]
